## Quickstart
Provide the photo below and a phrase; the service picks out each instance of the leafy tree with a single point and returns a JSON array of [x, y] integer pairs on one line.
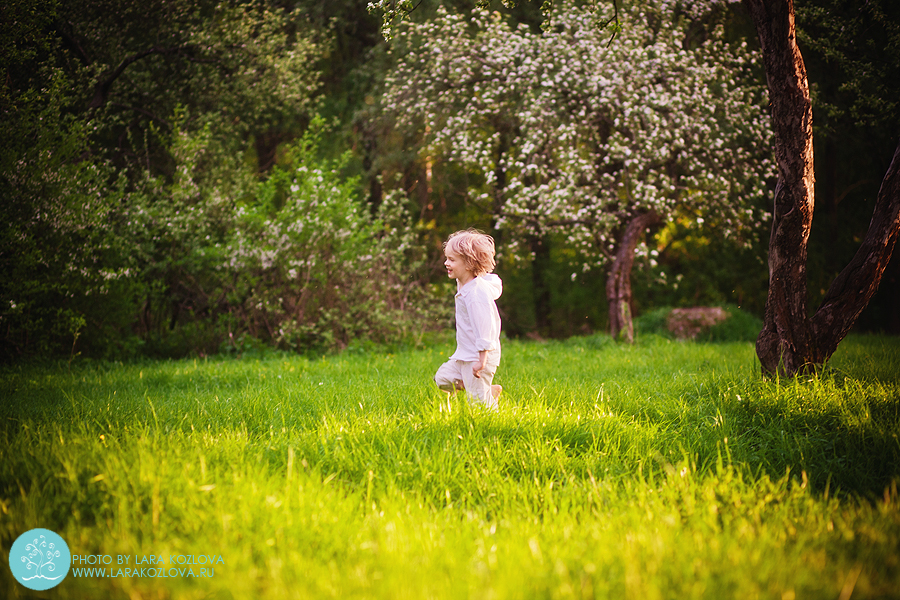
[[135, 129], [55, 245], [567, 135], [243, 69]]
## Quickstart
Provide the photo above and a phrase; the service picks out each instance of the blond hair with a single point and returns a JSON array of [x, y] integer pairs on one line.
[[475, 248]]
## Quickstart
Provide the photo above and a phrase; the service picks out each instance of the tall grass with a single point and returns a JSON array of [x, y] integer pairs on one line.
[[663, 470]]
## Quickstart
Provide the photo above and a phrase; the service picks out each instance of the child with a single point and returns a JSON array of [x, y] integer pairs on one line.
[[470, 260]]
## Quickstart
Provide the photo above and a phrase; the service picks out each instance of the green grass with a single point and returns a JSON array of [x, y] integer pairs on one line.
[[663, 470]]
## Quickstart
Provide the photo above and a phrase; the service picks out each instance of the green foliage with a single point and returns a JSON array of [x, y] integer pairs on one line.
[[861, 45], [692, 262], [660, 470], [575, 298], [143, 213], [246, 71], [58, 255]]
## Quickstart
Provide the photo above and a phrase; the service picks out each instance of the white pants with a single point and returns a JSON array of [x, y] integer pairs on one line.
[[454, 374]]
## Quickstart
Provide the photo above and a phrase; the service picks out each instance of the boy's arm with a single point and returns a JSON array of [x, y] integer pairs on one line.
[[479, 366]]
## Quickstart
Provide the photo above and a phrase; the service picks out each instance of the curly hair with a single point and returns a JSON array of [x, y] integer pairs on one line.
[[475, 248]]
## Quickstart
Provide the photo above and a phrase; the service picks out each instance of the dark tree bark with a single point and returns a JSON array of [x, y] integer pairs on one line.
[[791, 341], [618, 282]]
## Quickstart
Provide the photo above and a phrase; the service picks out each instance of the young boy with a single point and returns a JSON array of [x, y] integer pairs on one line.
[[470, 260]]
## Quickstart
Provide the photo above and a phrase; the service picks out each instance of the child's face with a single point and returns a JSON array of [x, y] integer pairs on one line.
[[456, 267]]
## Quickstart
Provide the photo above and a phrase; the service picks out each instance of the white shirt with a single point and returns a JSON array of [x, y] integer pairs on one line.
[[477, 318]]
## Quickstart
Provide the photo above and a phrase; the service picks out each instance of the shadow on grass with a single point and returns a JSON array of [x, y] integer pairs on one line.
[[839, 453]]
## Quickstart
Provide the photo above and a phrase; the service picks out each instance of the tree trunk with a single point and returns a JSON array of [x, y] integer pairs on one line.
[[618, 282], [540, 267], [785, 338], [499, 187], [790, 341]]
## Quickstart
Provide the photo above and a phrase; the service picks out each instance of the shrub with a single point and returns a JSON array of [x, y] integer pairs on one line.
[[312, 269], [740, 326], [653, 322]]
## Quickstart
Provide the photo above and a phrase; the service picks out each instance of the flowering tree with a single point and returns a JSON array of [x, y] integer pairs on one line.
[[594, 140]]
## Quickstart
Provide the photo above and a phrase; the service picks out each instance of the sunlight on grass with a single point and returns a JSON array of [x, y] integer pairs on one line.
[[664, 470]]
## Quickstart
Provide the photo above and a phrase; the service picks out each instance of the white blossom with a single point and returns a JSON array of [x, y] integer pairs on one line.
[[588, 133]]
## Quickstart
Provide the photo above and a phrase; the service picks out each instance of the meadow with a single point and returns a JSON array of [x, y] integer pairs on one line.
[[661, 470]]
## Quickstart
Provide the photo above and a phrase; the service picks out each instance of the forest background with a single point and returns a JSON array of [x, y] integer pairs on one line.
[[199, 177]]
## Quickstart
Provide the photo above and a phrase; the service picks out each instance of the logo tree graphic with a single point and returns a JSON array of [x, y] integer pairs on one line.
[[39, 558]]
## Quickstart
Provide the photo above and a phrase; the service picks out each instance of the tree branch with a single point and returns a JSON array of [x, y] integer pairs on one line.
[[73, 43], [844, 194], [102, 88], [617, 28], [851, 291]]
